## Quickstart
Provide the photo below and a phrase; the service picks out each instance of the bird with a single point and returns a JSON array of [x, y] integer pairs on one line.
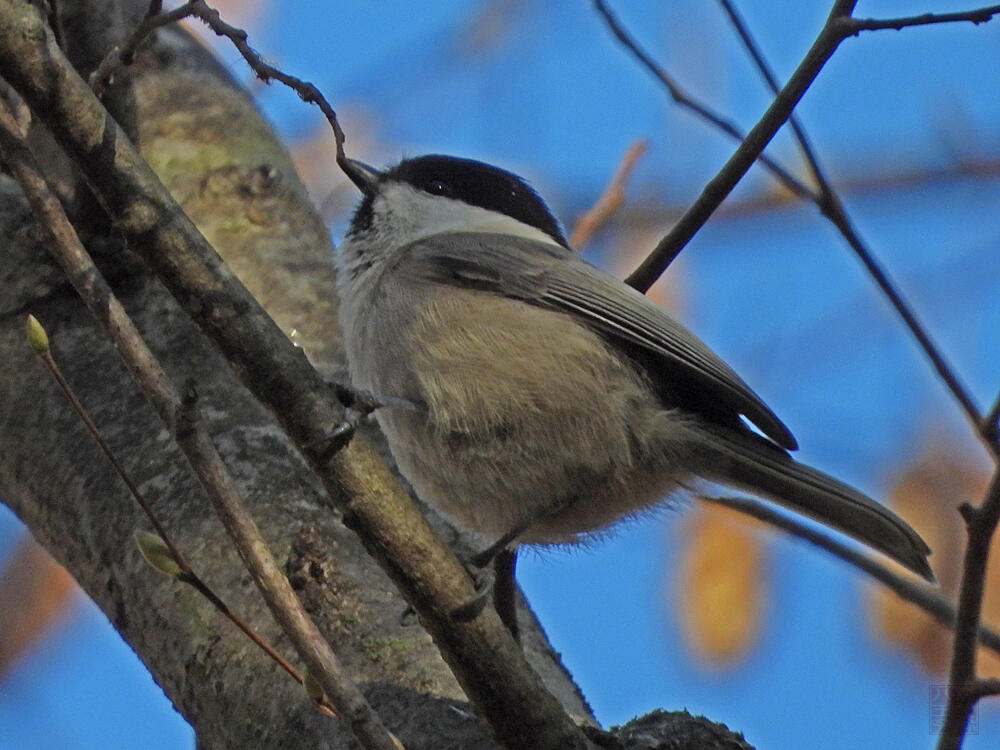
[[534, 399]]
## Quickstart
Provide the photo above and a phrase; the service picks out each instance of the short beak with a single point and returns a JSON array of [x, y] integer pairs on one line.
[[365, 177]]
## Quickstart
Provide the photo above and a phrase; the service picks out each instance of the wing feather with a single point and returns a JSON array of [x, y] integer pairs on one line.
[[550, 276]]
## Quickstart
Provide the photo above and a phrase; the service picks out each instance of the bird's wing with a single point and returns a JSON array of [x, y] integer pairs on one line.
[[553, 277]]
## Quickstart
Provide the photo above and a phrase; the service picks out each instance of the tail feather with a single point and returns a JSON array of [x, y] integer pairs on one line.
[[750, 463]]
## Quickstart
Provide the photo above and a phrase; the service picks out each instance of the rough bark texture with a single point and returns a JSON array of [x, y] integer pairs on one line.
[[203, 137], [208, 144]]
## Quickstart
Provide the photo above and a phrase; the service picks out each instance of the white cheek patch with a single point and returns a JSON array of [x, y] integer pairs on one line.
[[418, 215]]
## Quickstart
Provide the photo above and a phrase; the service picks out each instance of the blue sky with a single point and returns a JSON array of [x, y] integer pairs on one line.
[[777, 293]]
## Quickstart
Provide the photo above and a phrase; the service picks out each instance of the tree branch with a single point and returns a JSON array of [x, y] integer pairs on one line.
[[393, 530], [832, 208], [611, 200], [123, 54], [66, 247], [924, 596], [981, 524], [715, 192], [976, 16], [685, 100]]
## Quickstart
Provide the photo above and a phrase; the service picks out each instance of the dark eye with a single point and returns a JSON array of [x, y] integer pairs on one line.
[[437, 187]]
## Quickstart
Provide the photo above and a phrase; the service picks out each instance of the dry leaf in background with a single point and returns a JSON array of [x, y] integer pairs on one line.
[[927, 494], [34, 593], [721, 584]]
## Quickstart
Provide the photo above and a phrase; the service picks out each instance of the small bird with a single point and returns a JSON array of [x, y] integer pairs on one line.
[[535, 399]]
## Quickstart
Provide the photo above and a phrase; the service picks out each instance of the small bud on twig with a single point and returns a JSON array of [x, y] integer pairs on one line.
[[38, 339], [157, 554], [313, 689]]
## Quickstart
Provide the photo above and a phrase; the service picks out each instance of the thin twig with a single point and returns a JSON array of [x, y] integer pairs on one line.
[[124, 54], [685, 100], [985, 687], [990, 426], [981, 524], [926, 597], [201, 10], [186, 573], [266, 73], [976, 16], [772, 81], [715, 192], [179, 413], [611, 200], [832, 208]]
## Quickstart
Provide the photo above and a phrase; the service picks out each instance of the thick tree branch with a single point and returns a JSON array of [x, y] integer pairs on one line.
[[487, 662], [181, 414]]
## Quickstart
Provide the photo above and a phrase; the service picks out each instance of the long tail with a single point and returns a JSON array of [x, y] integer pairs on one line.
[[750, 463]]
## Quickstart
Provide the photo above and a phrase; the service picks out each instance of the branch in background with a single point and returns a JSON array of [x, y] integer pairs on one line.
[[35, 592], [990, 426], [832, 208], [839, 25], [924, 596], [964, 686], [685, 100], [612, 199], [976, 16], [488, 664], [715, 192], [66, 248]]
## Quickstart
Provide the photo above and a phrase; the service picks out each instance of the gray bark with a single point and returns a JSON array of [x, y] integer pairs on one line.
[[211, 148]]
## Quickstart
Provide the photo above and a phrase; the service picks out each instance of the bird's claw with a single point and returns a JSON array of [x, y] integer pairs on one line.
[[483, 578]]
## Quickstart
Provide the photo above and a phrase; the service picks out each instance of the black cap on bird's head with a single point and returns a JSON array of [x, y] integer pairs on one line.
[[472, 182]]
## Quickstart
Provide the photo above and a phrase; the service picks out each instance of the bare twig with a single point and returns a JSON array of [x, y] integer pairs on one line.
[[990, 426], [199, 9], [66, 247], [715, 192], [926, 597], [488, 664], [976, 16], [838, 26], [611, 199], [266, 73], [981, 524], [965, 688], [685, 100], [186, 574], [832, 208], [984, 687], [117, 56]]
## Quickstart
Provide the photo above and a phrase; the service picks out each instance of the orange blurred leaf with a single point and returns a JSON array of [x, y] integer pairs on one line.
[[927, 495], [722, 584], [34, 591]]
